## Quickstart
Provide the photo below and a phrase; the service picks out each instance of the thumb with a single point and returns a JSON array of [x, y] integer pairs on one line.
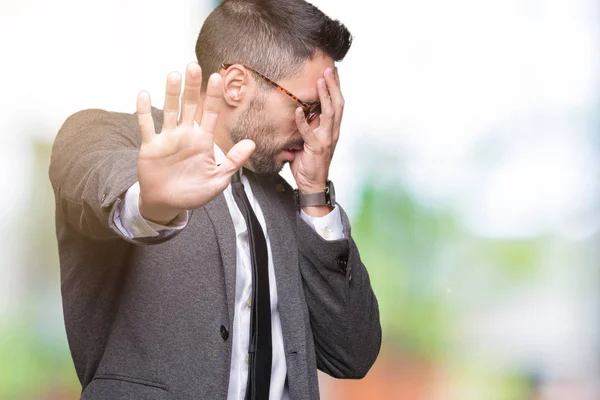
[[236, 158]]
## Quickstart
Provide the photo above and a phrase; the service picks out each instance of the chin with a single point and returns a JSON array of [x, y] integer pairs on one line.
[[262, 168], [277, 167]]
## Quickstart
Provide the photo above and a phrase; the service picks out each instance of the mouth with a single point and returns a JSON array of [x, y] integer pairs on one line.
[[291, 148], [297, 145], [294, 149], [290, 153]]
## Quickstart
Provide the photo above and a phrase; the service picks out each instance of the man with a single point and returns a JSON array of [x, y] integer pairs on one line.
[[186, 276]]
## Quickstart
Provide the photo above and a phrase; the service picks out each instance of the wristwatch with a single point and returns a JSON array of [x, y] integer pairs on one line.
[[325, 198]]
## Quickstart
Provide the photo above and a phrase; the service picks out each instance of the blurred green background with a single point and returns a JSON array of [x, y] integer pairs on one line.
[[469, 164]]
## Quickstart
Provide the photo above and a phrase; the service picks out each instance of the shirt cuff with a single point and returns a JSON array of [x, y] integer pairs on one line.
[[328, 226], [131, 223]]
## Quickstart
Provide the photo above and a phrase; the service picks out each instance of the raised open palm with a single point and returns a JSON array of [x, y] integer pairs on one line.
[[176, 168]]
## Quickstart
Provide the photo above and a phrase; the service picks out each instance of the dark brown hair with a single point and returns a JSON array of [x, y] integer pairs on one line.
[[274, 37]]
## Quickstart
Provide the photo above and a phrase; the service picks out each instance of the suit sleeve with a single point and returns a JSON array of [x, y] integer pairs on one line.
[[93, 163], [344, 313]]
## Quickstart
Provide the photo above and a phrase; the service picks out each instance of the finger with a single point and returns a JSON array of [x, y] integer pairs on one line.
[[191, 93], [334, 90], [308, 135], [337, 100], [144, 113], [327, 111], [171, 108], [212, 104], [236, 158]]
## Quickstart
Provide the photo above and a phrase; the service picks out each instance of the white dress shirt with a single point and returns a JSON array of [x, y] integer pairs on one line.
[[129, 221]]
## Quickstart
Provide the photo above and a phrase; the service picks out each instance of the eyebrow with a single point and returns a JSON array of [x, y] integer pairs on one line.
[[311, 102]]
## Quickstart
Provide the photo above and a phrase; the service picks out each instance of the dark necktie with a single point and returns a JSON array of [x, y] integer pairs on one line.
[[260, 351]]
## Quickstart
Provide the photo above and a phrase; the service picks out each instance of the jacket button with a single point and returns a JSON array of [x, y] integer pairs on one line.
[[343, 265], [224, 332]]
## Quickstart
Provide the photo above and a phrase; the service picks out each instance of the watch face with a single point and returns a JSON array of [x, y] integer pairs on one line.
[[331, 193]]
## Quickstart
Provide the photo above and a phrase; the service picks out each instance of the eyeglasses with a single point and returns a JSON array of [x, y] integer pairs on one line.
[[311, 109]]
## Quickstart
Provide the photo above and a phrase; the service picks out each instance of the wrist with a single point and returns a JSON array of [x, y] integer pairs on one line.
[[312, 188], [316, 201], [158, 214]]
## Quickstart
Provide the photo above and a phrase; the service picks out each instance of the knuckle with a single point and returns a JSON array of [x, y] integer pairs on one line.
[[318, 149], [304, 129]]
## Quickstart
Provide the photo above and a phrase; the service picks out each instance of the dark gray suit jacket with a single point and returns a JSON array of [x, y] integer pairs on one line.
[[152, 318]]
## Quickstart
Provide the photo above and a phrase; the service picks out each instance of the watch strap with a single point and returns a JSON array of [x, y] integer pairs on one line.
[[312, 199]]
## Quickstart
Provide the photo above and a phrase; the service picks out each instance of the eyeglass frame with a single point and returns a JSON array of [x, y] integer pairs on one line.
[[311, 109]]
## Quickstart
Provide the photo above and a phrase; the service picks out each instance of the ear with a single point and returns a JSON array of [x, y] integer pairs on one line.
[[237, 85]]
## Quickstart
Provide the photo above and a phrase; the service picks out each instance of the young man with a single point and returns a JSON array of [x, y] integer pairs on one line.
[[190, 268]]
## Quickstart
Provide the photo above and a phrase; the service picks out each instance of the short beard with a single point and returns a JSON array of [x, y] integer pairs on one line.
[[254, 125]]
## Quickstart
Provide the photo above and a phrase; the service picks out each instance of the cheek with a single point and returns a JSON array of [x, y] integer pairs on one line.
[[291, 124], [284, 123], [280, 114]]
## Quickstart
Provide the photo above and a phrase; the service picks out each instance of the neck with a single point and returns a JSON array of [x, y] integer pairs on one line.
[[223, 143]]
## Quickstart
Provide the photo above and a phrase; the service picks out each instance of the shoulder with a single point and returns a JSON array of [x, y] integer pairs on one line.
[[97, 121], [99, 116], [95, 115]]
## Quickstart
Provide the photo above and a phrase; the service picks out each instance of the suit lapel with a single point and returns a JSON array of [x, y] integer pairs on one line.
[[281, 232], [218, 212]]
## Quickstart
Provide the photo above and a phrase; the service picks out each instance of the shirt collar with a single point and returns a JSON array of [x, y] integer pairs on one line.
[[220, 157]]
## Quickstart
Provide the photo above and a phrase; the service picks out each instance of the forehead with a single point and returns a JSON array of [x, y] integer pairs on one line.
[[304, 85]]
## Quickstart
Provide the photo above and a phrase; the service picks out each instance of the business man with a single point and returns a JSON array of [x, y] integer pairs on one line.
[[190, 268]]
